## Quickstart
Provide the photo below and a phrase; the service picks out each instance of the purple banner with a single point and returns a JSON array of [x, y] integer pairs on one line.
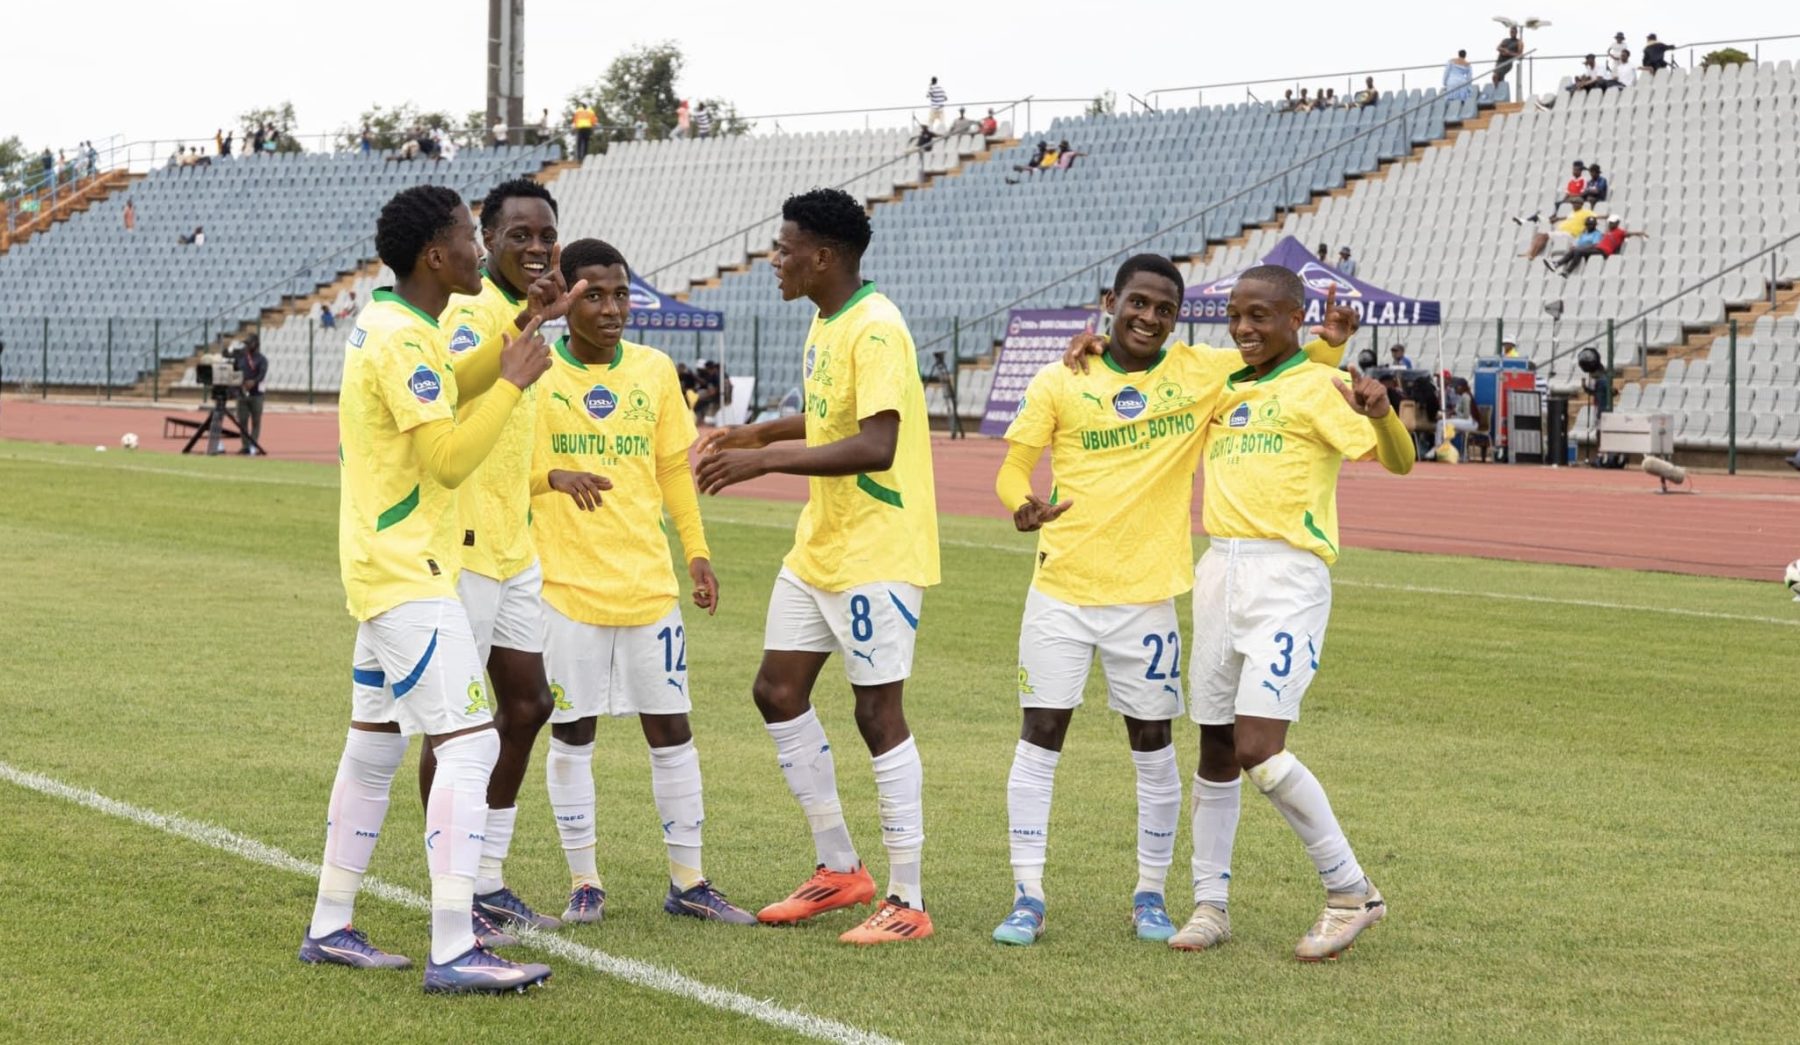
[[1035, 337]]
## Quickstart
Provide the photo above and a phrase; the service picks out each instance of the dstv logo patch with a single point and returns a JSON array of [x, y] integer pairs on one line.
[[1240, 418], [811, 355], [1128, 403], [424, 385], [600, 402], [464, 339]]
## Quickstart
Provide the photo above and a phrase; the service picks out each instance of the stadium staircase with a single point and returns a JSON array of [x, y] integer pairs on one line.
[[39, 211]]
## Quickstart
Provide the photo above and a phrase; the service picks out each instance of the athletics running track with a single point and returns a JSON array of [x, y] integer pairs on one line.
[[1730, 526]]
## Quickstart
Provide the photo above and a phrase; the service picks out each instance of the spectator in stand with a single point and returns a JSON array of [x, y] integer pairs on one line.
[[1066, 156], [365, 141], [1620, 72], [922, 141], [1588, 78], [186, 159], [938, 97], [48, 162], [225, 146], [327, 321], [1656, 54], [1398, 358], [256, 139], [255, 366], [1287, 103], [130, 215], [1032, 165], [1330, 100], [348, 310], [1571, 193], [1367, 96], [196, 238], [989, 125], [703, 120], [201, 159], [1457, 75], [683, 121], [1606, 245], [1617, 53], [1051, 156], [1324, 254], [639, 129], [963, 125], [1506, 54], [1345, 263], [583, 122], [1597, 188], [497, 134], [1589, 236], [92, 156], [219, 140], [1303, 104]]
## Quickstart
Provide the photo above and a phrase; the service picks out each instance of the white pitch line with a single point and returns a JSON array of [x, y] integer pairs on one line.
[[214, 477], [638, 973]]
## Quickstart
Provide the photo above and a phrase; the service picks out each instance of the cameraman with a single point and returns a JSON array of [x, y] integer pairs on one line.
[[255, 367]]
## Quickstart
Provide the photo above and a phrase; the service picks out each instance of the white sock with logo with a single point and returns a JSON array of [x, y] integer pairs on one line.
[[494, 849], [899, 788], [569, 777], [675, 784], [1216, 808], [455, 825], [1029, 787], [359, 804], [1159, 811], [1297, 793], [811, 773]]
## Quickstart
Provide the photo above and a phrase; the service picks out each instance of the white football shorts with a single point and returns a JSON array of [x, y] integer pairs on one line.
[[597, 669], [1139, 647], [508, 613], [873, 625], [416, 665], [1260, 609]]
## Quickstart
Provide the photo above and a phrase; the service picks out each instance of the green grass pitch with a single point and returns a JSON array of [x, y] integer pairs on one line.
[[1576, 788]]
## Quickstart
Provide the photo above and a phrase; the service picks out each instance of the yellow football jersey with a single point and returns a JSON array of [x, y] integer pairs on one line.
[[396, 525], [1273, 450], [493, 506], [609, 567], [879, 526], [1123, 447]]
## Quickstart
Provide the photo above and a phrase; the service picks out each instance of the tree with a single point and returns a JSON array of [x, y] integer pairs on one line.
[[392, 126], [640, 85], [280, 117], [1103, 105], [1724, 57], [16, 164]]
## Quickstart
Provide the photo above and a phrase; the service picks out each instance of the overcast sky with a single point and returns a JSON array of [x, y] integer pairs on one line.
[[181, 69]]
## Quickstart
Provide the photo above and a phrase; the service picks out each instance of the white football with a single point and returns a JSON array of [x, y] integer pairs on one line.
[[128, 440], [1792, 579], [100, 449]]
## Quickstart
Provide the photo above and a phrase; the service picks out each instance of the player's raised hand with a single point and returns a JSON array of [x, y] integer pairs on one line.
[[1034, 513], [706, 585], [523, 359], [1081, 346], [1340, 321], [728, 467], [550, 296], [584, 487], [1365, 395]]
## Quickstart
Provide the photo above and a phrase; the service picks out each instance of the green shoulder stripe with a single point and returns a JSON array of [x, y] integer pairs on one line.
[[1313, 528], [878, 491], [405, 508]]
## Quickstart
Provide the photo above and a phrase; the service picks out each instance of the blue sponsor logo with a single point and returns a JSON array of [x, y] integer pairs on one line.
[[811, 354], [600, 402], [464, 339], [357, 336], [1128, 403], [1240, 418], [425, 385]]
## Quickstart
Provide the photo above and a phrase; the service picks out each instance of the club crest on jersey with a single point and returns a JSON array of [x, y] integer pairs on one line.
[[1240, 418], [424, 384], [600, 402], [818, 365], [637, 406], [1169, 397], [1268, 415], [464, 339], [1128, 403]]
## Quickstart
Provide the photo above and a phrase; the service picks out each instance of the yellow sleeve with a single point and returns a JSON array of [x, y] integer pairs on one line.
[[478, 369], [1394, 444], [1320, 350], [1013, 484], [676, 478], [540, 460], [451, 452]]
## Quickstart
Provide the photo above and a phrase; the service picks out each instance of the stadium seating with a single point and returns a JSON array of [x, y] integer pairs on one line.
[[1704, 162], [275, 225], [969, 245]]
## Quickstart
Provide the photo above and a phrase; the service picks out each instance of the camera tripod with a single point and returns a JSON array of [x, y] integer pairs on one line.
[[940, 373], [214, 427]]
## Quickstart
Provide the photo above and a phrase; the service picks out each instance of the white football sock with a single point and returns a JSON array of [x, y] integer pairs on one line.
[[569, 777], [455, 821], [675, 783], [1297, 793], [899, 785], [494, 849], [811, 773], [1216, 808], [359, 804], [1159, 811], [1028, 790]]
